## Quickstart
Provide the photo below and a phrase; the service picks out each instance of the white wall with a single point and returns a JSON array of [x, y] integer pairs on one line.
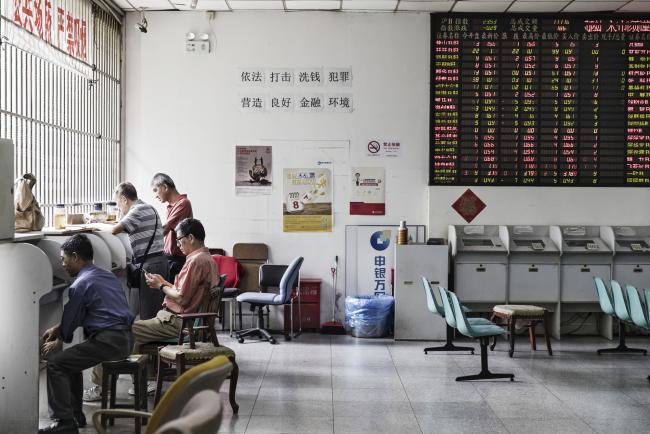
[[181, 117], [542, 206]]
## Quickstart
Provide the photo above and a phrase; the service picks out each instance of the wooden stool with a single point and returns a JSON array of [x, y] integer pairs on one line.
[[532, 314], [135, 365]]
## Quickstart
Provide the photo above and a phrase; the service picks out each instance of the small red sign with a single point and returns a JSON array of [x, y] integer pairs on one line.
[[468, 205]]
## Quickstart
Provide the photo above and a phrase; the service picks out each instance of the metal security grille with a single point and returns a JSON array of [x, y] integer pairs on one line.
[[63, 114]]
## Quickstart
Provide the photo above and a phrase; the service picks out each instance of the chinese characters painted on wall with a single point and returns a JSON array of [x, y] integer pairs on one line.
[[268, 89]]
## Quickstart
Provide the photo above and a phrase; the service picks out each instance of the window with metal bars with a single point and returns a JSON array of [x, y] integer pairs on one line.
[[63, 113]]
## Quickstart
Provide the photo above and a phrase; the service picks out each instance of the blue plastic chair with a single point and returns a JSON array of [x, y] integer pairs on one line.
[[637, 308], [482, 332], [435, 308], [622, 312], [449, 311], [639, 311], [604, 298]]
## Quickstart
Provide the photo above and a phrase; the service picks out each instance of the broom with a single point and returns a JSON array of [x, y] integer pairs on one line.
[[333, 327]]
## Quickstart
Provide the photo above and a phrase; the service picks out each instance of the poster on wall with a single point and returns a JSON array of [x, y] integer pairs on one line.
[[253, 166], [367, 195], [307, 203]]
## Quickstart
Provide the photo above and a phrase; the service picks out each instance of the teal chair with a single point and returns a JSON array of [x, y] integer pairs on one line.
[[437, 309], [482, 332], [449, 311], [639, 311], [622, 312]]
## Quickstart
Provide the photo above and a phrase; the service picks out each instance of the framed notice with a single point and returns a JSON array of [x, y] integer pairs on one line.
[[307, 203], [368, 191]]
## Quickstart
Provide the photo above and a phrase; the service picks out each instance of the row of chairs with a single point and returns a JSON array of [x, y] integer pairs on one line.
[[454, 314], [628, 307], [616, 303]]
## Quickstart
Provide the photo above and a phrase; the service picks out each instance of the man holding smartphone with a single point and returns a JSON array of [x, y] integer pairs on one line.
[[198, 275]]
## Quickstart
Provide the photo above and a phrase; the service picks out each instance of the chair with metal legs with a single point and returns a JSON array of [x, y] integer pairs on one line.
[[622, 312], [258, 300], [437, 309], [482, 332]]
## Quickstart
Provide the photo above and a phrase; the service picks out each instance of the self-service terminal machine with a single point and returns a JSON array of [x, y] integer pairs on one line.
[[631, 246], [534, 267], [585, 255], [480, 258]]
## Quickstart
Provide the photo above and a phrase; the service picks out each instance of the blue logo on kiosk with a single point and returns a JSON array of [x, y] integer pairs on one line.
[[380, 240]]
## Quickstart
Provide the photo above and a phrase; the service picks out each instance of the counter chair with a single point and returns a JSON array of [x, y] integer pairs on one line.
[[438, 309], [174, 359], [259, 300], [184, 402], [622, 312], [482, 332], [209, 304]]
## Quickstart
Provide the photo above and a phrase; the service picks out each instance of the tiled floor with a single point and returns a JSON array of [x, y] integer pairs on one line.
[[346, 385]]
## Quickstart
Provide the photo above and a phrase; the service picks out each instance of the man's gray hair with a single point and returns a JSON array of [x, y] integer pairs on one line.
[[162, 179], [127, 190]]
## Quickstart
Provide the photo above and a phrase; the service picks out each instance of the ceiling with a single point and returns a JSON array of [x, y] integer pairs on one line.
[[487, 6]]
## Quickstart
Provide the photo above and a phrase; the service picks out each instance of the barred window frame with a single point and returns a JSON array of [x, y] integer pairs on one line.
[[64, 114]]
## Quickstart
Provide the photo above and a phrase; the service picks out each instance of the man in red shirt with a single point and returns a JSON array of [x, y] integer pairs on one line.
[[178, 208]]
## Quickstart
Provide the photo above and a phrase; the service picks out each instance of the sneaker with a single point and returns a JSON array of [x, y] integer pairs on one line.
[[93, 394], [151, 388]]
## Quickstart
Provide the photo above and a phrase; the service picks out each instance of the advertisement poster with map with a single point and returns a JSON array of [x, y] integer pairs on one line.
[[253, 170], [307, 203], [367, 195]]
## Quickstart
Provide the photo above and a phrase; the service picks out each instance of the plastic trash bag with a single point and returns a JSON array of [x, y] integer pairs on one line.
[[369, 316]]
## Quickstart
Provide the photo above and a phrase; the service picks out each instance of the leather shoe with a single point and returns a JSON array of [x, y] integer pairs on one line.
[[80, 418], [63, 426]]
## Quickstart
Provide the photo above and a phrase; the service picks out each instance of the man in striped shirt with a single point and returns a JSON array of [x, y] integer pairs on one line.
[[142, 223]]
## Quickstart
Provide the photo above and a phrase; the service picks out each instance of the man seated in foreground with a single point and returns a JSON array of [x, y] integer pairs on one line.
[[98, 304], [185, 295]]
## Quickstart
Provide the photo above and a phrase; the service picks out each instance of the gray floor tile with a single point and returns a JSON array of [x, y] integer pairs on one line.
[[429, 424], [374, 395], [296, 393], [391, 423], [296, 424], [293, 408], [373, 409], [546, 426], [444, 392], [618, 425], [454, 410]]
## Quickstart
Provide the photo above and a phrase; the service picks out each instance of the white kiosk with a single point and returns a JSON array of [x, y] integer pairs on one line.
[[534, 266], [480, 256], [631, 245]]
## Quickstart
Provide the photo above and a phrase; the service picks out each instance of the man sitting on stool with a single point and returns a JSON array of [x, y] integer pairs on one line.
[[198, 275], [98, 304]]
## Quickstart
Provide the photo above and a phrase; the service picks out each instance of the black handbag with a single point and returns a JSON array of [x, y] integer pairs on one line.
[[133, 269]]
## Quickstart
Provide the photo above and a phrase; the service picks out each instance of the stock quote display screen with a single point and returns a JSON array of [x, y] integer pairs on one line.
[[540, 100]]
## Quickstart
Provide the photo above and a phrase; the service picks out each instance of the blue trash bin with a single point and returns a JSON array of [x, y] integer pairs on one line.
[[369, 316]]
